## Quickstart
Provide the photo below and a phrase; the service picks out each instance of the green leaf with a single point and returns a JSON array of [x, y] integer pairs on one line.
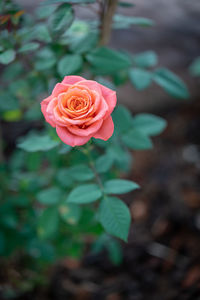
[[64, 178], [122, 119], [114, 252], [125, 4], [37, 142], [42, 13], [104, 163], [29, 47], [13, 71], [120, 186], [122, 157], [85, 43], [149, 124], [7, 57], [115, 217], [171, 83], [81, 173], [8, 102], [67, 1], [195, 67], [145, 59], [137, 140], [61, 19], [121, 21], [45, 59], [64, 149], [108, 61], [69, 64], [41, 33], [141, 79], [85, 193], [49, 196], [48, 223], [70, 213]]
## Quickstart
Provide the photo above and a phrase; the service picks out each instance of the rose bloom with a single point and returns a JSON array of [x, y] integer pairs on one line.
[[80, 109]]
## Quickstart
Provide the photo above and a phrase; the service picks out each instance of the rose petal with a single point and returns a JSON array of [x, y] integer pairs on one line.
[[101, 113], [66, 121], [60, 88], [94, 86], [69, 138], [110, 97], [72, 79], [44, 105], [87, 131], [106, 130]]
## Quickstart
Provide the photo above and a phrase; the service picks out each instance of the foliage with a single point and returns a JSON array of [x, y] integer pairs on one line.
[[52, 195]]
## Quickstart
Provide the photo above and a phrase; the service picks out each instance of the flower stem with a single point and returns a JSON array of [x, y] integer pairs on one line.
[[87, 151]]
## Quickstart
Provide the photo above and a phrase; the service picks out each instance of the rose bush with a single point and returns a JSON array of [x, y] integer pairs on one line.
[[80, 109]]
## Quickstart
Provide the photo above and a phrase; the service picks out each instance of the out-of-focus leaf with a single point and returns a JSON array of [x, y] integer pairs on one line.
[[108, 61], [104, 163], [70, 213], [67, 1], [48, 223], [125, 4], [141, 79], [64, 178], [149, 124], [171, 83], [122, 21], [195, 67], [33, 113], [45, 59], [29, 47], [37, 142], [8, 102], [69, 64], [145, 59], [43, 13], [12, 71], [81, 173], [137, 140], [85, 43], [61, 19], [64, 149], [122, 119], [41, 33], [7, 57], [49, 196]]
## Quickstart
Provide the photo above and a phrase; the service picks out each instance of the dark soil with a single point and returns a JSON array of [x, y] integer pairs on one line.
[[161, 261]]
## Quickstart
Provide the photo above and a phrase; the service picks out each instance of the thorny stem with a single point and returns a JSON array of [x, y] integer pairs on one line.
[[107, 12]]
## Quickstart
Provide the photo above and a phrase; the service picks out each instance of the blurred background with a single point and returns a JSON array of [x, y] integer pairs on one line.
[[162, 257]]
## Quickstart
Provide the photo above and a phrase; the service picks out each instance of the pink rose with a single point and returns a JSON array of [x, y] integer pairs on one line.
[[80, 109]]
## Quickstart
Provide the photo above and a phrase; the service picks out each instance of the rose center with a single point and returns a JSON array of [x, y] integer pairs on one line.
[[77, 103]]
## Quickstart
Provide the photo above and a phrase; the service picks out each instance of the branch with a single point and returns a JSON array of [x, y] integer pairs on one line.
[[106, 20]]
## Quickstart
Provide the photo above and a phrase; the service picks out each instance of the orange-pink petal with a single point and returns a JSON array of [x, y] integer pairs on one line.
[[72, 79], [86, 131], [106, 130], [71, 139]]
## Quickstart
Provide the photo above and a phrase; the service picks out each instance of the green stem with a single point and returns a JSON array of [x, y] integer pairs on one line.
[[92, 165]]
